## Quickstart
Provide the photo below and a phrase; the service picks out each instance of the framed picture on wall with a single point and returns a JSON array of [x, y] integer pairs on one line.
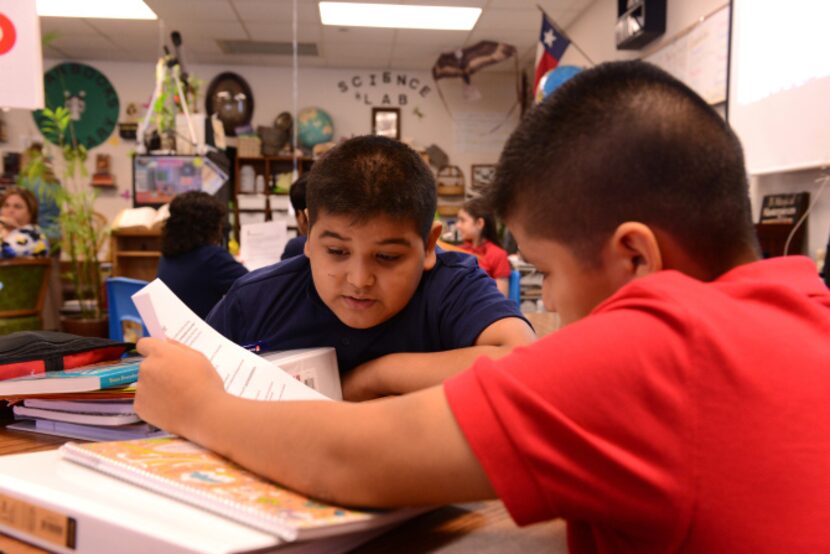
[[481, 176], [386, 122]]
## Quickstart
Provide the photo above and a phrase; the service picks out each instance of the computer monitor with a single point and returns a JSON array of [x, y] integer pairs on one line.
[[158, 179]]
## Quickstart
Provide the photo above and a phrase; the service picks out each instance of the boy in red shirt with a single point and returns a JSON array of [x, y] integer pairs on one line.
[[683, 407]]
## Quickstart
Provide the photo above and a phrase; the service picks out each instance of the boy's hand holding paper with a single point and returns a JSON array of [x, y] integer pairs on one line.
[[172, 399]]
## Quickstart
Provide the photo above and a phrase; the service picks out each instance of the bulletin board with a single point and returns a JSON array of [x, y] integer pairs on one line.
[[699, 56]]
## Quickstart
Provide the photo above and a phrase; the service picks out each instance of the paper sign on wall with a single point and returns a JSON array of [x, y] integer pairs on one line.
[[21, 60]]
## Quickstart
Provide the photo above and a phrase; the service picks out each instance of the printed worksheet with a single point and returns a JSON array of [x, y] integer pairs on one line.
[[245, 374]]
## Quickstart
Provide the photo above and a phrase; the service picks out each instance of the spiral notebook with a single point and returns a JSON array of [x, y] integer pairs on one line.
[[184, 471]]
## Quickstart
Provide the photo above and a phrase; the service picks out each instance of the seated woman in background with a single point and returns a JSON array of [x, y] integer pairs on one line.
[[20, 234], [193, 264], [477, 227]]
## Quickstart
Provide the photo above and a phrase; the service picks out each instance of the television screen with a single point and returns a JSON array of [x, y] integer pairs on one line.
[[158, 179]]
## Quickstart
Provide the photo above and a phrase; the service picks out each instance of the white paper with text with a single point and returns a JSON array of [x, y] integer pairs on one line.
[[244, 373]]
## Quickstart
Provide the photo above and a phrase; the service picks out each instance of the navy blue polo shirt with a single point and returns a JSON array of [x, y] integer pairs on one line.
[[294, 247], [279, 308], [200, 277]]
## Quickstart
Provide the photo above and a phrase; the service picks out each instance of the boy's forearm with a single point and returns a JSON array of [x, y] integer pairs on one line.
[[408, 372], [346, 453]]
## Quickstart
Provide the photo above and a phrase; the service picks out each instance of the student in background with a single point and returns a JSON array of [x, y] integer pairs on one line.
[[400, 315], [193, 264], [683, 407], [18, 229], [477, 227], [296, 193]]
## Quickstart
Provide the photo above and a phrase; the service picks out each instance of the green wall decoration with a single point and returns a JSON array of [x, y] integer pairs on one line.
[[90, 98]]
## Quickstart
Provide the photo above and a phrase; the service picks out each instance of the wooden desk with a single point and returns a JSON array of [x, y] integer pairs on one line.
[[478, 527]]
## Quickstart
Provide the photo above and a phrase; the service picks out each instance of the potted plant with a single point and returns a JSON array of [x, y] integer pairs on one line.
[[83, 231]]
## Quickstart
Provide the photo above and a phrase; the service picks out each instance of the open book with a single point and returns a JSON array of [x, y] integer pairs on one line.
[[187, 472], [141, 218]]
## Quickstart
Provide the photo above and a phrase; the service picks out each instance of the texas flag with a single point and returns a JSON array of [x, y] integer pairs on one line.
[[21, 61], [549, 51]]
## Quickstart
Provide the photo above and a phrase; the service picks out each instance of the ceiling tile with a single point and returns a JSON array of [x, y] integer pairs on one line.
[[283, 32], [64, 26], [494, 19], [422, 37], [212, 30], [370, 51], [190, 10]]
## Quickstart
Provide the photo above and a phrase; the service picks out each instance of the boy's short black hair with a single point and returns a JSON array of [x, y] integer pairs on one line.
[[626, 141], [368, 176], [196, 219], [297, 193]]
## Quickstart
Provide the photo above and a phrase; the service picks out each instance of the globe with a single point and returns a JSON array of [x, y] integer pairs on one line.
[[315, 127], [553, 79]]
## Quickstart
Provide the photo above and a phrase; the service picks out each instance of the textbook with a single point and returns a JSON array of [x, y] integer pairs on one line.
[[141, 218], [183, 470], [67, 508], [314, 367], [88, 432], [103, 375], [82, 406], [91, 418]]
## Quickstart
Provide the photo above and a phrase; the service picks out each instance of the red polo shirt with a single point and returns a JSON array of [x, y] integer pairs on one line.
[[679, 416], [492, 259]]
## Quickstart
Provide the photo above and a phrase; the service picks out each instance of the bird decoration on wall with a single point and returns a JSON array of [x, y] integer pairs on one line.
[[463, 62]]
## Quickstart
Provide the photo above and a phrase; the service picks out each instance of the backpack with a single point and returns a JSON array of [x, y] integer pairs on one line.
[[31, 352]]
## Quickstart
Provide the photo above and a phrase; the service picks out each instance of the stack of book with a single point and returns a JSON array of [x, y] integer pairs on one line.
[[93, 402]]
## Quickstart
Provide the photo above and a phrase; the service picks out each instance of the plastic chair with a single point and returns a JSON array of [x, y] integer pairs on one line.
[[23, 284], [125, 323], [514, 290]]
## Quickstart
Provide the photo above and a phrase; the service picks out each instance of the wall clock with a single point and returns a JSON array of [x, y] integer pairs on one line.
[[90, 98], [230, 97]]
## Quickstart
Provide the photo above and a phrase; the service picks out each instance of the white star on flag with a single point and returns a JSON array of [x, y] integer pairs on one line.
[[549, 38]]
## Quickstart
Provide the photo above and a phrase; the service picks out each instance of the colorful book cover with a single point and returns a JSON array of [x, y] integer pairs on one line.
[[183, 470], [104, 375]]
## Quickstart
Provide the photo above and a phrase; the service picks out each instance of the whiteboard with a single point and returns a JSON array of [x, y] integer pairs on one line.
[[699, 56]]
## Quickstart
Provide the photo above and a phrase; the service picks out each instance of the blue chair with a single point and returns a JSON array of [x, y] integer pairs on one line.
[[125, 322], [514, 290]]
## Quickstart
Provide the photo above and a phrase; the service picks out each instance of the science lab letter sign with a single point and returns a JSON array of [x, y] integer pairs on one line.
[[21, 61], [386, 88]]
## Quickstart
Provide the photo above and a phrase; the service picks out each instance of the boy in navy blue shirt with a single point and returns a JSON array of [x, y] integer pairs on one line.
[[295, 246], [401, 315]]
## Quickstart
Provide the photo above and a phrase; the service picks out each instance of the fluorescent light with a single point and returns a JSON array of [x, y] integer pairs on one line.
[[399, 16], [100, 9]]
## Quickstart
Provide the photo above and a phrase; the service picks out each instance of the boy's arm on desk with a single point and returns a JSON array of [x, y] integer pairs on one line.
[[407, 372], [378, 454]]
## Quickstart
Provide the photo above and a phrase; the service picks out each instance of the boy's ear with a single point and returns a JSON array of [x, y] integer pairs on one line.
[[634, 251], [430, 257]]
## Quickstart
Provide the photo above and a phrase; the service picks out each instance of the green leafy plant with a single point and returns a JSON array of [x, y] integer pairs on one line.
[[82, 229]]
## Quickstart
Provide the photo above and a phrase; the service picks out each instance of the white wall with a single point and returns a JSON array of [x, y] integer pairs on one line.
[[272, 89], [594, 32]]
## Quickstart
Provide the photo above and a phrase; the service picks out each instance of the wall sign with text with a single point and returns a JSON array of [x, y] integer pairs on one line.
[[385, 88], [88, 95]]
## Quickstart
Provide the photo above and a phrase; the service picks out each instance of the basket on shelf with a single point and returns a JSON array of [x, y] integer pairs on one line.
[[448, 210], [450, 181], [248, 147]]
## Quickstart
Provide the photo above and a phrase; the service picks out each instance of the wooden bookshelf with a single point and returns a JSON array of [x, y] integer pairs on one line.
[[272, 203], [135, 253]]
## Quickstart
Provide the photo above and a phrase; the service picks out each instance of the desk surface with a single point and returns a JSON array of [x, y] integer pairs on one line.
[[479, 527]]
